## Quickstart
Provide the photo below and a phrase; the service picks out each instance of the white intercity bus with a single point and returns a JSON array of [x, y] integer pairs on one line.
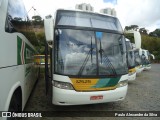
[[146, 59], [88, 58], [137, 48], [138, 61], [130, 61], [18, 72]]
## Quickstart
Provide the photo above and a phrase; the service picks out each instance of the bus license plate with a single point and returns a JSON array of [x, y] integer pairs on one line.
[[99, 97]]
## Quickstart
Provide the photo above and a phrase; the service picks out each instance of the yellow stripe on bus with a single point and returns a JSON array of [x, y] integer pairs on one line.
[[86, 84]]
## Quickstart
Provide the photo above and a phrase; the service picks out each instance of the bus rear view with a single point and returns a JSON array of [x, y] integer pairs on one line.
[[89, 58]]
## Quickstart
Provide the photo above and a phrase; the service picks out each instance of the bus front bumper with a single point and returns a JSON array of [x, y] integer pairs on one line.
[[72, 97], [132, 77], [139, 70]]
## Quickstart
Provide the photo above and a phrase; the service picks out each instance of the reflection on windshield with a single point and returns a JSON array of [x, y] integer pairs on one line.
[[130, 55], [128, 45], [109, 54], [76, 53], [137, 58], [131, 59]]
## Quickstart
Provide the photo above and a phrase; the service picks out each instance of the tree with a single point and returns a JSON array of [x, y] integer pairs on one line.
[[155, 33], [143, 31], [132, 27], [37, 18], [18, 19]]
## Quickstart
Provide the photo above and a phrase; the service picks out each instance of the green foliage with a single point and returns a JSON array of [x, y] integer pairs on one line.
[[136, 27], [155, 33], [132, 27], [31, 36], [143, 31], [130, 37], [37, 21], [36, 18], [152, 44], [41, 38]]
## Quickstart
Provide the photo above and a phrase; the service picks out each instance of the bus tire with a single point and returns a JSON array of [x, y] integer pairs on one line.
[[15, 106]]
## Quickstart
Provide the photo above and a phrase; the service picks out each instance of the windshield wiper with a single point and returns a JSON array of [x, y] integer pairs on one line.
[[106, 59], [86, 59], [91, 51], [101, 50]]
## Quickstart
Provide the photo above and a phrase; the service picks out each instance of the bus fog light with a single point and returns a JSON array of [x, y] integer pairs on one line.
[[62, 85], [122, 83]]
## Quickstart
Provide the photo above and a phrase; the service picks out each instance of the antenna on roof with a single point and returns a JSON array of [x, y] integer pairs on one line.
[[35, 10]]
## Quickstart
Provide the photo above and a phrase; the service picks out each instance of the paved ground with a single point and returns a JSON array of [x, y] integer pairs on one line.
[[143, 95]]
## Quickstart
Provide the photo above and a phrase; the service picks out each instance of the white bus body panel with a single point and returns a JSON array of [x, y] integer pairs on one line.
[[72, 97], [132, 77], [137, 38], [139, 69], [146, 67], [12, 75], [48, 27]]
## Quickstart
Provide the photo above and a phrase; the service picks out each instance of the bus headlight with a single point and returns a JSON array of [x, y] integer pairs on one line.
[[63, 85], [122, 83]]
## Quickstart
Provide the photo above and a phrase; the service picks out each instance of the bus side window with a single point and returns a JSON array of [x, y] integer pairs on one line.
[[16, 17], [17, 21]]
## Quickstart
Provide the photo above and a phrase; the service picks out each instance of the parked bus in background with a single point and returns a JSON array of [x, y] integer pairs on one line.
[[89, 58], [137, 48], [138, 61], [130, 61], [40, 59], [18, 72], [146, 59]]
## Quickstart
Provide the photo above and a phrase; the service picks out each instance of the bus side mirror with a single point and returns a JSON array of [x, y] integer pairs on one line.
[[137, 38], [48, 27], [153, 57]]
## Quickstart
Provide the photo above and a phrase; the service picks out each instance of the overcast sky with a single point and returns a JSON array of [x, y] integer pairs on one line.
[[144, 13]]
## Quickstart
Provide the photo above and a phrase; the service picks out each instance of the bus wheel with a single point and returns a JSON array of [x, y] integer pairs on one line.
[[15, 106]]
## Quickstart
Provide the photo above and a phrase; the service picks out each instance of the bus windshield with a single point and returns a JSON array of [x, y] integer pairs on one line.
[[129, 45], [138, 60], [131, 59], [130, 55], [80, 52]]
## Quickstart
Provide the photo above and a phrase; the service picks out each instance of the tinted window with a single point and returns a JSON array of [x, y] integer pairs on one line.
[[79, 52], [17, 21], [0, 2], [16, 17], [83, 19]]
